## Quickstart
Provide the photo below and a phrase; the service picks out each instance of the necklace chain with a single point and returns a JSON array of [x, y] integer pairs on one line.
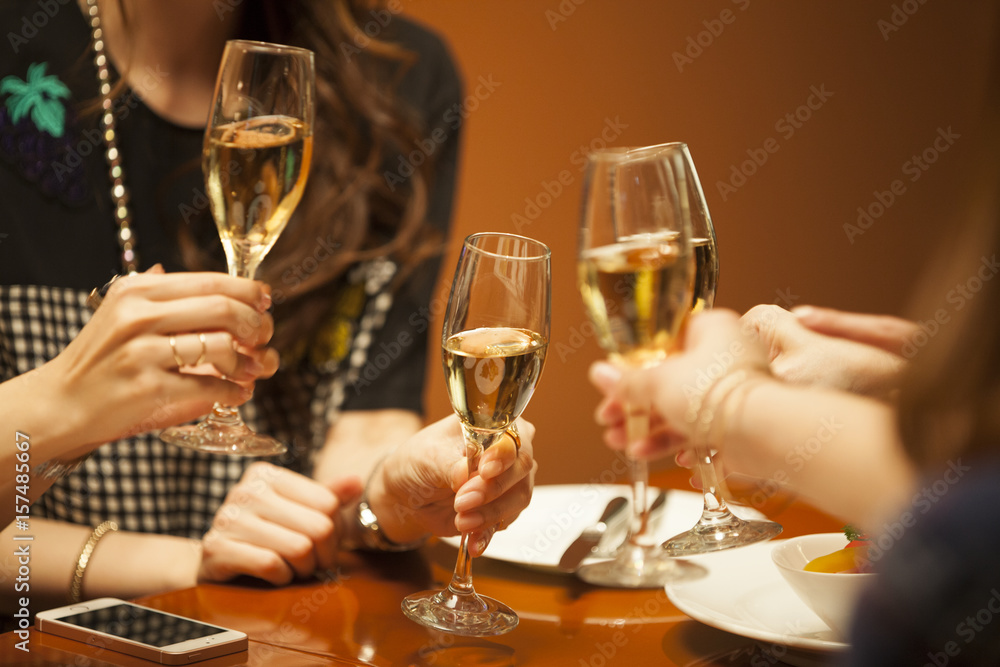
[[119, 193]]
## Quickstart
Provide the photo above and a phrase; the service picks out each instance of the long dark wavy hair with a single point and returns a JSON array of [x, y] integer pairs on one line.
[[950, 405]]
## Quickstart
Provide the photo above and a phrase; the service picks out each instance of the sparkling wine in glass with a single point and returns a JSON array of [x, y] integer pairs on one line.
[[636, 271], [256, 157], [718, 528], [494, 339]]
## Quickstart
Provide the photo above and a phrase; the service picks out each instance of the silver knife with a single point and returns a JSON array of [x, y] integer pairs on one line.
[[615, 536], [589, 538]]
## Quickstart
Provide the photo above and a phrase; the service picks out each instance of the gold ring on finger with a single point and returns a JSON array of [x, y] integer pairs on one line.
[[516, 437], [173, 350], [204, 350]]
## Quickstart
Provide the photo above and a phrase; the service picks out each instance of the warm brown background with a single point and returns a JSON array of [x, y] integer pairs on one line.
[[781, 234]]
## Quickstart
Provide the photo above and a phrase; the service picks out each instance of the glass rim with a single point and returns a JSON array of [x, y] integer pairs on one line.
[[627, 153], [545, 251], [269, 47]]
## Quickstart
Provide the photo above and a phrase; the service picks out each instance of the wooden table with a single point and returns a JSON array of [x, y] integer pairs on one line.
[[355, 618]]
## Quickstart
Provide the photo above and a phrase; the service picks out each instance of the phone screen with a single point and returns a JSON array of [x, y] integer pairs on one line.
[[139, 624]]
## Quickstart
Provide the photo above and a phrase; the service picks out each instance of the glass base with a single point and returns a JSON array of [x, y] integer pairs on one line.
[[468, 614], [639, 567], [717, 533], [233, 439]]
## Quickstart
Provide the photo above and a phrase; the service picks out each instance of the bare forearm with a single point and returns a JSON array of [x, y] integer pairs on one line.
[[124, 565], [842, 452], [361, 439], [36, 427], [355, 446]]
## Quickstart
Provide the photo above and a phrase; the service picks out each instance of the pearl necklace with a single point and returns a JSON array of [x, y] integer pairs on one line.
[[119, 193]]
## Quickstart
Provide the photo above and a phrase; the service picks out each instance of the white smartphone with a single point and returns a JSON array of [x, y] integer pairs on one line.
[[140, 631]]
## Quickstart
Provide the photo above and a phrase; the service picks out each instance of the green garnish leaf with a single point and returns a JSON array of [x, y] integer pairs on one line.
[[853, 533]]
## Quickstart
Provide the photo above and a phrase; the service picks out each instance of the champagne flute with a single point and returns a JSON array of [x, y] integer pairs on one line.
[[718, 528], [635, 274], [494, 339], [256, 157]]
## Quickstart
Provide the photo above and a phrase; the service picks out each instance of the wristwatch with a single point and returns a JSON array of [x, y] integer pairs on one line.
[[371, 534]]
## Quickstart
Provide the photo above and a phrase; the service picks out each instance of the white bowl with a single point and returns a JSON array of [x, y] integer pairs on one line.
[[831, 596]]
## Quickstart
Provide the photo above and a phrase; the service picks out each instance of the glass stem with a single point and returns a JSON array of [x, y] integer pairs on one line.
[[711, 488], [475, 443], [637, 428], [240, 266], [225, 415], [461, 578]]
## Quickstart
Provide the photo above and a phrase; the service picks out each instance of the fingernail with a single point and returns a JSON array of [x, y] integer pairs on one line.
[[604, 374], [468, 501], [254, 367], [466, 522], [490, 469], [265, 302], [479, 547], [803, 311]]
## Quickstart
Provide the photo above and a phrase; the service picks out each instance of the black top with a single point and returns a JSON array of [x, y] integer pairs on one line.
[[58, 240], [936, 600]]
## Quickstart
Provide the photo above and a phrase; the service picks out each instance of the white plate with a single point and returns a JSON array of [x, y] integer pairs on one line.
[[557, 514], [745, 594]]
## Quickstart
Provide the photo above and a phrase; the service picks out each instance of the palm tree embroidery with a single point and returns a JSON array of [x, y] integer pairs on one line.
[[39, 97]]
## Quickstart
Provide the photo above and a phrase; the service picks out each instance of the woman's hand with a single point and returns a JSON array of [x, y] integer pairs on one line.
[[121, 375], [830, 348], [713, 345], [424, 488], [275, 525], [886, 332]]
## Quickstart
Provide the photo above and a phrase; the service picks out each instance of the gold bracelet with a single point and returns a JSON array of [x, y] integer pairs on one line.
[[76, 585]]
